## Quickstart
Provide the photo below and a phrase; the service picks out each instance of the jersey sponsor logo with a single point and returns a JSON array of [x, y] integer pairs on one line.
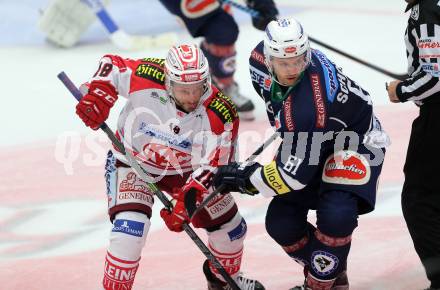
[[132, 228], [130, 197], [224, 108], [261, 78], [239, 231], [331, 82], [153, 60], [171, 139], [117, 276], [273, 178], [133, 183], [132, 189], [267, 83], [324, 262], [162, 99], [431, 68], [257, 56], [151, 73], [428, 43], [319, 101], [198, 8], [422, 56], [219, 206], [290, 49], [288, 118], [346, 167], [230, 261]]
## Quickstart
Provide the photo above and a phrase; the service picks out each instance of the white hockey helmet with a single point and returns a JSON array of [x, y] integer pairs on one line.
[[285, 38], [186, 64]]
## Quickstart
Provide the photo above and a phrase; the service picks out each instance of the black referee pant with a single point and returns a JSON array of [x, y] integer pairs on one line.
[[421, 190]]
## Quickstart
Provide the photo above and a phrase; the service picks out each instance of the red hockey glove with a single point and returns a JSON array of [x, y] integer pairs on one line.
[[175, 219], [94, 107], [196, 183]]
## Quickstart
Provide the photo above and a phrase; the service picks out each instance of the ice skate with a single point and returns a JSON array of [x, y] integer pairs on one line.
[[216, 284], [341, 283]]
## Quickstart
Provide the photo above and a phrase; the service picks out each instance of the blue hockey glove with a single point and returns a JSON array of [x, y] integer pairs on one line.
[[268, 12]]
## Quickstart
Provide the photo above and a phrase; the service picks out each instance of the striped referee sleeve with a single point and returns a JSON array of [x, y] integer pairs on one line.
[[423, 48]]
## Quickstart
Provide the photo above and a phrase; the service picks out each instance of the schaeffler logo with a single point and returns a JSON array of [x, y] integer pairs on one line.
[[346, 167]]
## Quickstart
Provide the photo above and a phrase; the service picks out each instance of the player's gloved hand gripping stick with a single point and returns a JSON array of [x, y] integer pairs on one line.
[[191, 196]]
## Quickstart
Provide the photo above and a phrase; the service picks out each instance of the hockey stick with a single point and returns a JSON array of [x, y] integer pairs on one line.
[[145, 176], [190, 197], [358, 60], [124, 40], [255, 13]]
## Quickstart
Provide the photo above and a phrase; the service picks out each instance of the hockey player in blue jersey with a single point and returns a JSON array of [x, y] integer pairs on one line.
[[329, 161], [208, 19]]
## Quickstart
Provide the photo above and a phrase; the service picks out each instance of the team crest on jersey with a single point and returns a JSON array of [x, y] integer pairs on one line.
[[151, 72], [165, 158], [198, 8], [346, 167], [224, 108]]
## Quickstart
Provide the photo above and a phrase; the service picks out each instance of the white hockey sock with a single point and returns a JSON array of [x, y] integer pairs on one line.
[[127, 239]]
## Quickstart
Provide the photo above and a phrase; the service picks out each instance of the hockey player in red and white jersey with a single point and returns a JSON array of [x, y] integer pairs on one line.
[[213, 20], [180, 128]]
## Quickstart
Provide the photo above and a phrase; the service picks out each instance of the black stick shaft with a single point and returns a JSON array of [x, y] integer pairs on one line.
[[190, 198], [358, 60]]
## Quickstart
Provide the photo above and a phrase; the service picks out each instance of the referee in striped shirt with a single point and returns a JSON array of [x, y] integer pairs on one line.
[[421, 190]]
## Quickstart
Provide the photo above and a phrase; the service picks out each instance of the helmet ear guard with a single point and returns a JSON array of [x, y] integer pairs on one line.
[[285, 38], [186, 64]]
